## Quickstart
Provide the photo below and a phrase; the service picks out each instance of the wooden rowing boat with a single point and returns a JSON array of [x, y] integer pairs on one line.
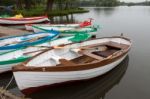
[[96, 88], [11, 58], [16, 42], [72, 62], [81, 24], [27, 20]]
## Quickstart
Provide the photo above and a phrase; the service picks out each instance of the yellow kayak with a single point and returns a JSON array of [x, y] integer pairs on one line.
[[18, 16]]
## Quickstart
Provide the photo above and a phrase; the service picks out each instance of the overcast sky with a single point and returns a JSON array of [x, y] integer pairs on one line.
[[133, 0]]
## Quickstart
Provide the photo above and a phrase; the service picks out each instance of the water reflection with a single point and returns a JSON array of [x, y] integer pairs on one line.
[[55, 20], [63, 19], [91, 89], [104, 10]]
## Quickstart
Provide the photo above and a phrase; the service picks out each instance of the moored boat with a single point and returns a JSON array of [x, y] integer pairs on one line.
[[95, 88], [81, 24], [67, 31], [29, 26], [27, 20], [11, 58], [16, 42], [72, 62]]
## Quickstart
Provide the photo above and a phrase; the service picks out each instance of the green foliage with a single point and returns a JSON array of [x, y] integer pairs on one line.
[[38, 7], [7, 2], [106, 2], [41, 11], [32, 12]]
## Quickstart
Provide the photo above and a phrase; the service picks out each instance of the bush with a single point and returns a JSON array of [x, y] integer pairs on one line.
[[41, 11]]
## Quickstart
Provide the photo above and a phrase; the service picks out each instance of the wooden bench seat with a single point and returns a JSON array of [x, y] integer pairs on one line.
[[92, 55], [66, 62]]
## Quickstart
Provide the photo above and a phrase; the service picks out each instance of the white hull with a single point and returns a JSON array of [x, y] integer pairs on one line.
[[52, 28], [67, 34], [36, 30], [23, 21], [6, 68], [30, 79], [29, 27]]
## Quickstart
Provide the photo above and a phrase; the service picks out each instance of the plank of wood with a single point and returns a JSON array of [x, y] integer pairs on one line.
[[66, 62], [92, 55]]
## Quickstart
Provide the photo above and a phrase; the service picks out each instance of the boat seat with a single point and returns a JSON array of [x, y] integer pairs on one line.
[[66, 62], [92, 55], [61, 60], [56, 58], [105, 54], [76, 50]]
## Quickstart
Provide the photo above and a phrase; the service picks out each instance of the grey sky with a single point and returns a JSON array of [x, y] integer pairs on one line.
[[134, 0]]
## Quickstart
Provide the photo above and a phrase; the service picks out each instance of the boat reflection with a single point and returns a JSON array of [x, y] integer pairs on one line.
[[90, 89], [62, 19]]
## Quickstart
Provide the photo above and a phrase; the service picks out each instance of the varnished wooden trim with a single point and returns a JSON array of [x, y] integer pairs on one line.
[[22, 66]]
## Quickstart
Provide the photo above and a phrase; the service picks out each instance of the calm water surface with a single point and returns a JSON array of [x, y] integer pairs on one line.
[[130, 80]]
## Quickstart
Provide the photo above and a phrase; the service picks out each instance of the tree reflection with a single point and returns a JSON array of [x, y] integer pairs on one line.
[[105, 10]]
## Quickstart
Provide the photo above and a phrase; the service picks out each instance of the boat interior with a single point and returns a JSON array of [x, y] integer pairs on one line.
[[17, 40], [78, 56], [95, 53]]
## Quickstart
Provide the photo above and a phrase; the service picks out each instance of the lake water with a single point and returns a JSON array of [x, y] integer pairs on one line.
[[130, 80]]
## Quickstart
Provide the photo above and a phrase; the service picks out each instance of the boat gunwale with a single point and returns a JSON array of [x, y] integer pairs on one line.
[[24, 19], [93, 29], [26, 44], [71, 68], [15, 60]]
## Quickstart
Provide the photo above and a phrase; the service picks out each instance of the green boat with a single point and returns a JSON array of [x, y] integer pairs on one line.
[[14, 57], [67, 31]]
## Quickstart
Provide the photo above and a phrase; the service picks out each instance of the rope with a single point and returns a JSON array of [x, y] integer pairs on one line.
[[1, 97], [9, 82]]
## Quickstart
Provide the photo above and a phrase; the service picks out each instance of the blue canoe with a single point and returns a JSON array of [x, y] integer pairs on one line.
[[15, 42]]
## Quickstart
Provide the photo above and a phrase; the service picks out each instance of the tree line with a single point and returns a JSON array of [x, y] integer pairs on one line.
[[61, 4], [106, 3], [48, 4]]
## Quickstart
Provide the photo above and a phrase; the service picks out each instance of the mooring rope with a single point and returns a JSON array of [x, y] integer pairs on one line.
[[9, 82], [1, 95]]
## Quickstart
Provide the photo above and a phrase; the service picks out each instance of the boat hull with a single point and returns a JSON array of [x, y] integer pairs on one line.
[[24, 40], [28, 79], [7, 68], [23, 20], [29, 26], [68, 32]]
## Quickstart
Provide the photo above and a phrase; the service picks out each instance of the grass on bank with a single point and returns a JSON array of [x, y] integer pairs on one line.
[[41, 11]]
